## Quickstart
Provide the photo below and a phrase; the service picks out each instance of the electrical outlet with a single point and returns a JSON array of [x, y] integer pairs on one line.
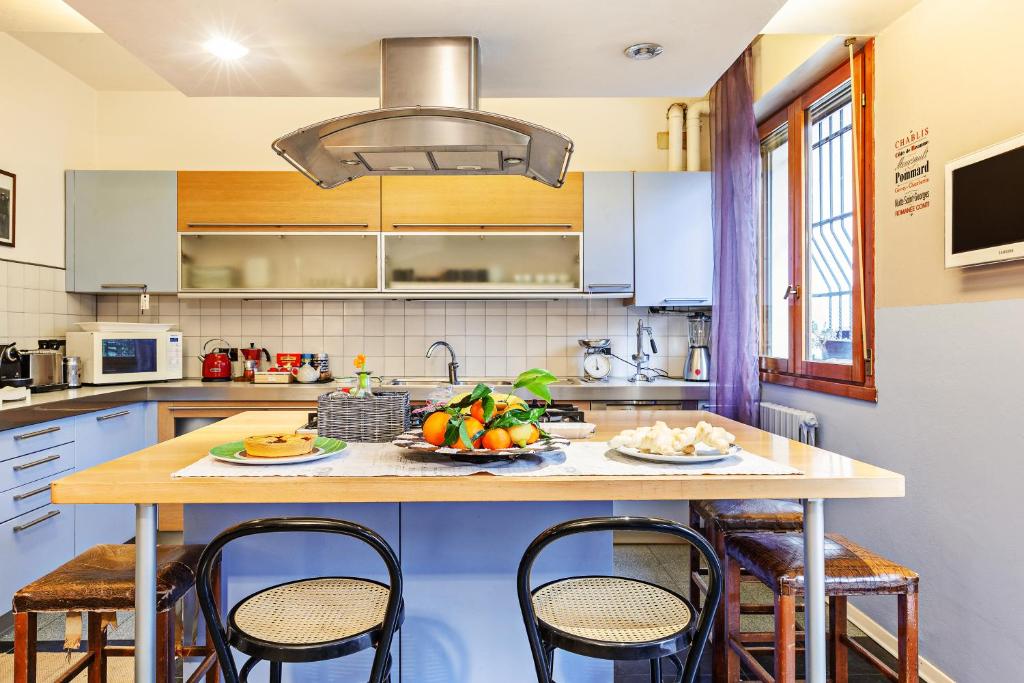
[[144, 302]]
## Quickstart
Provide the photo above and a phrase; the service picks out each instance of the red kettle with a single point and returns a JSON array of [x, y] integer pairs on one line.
[[216, 363]]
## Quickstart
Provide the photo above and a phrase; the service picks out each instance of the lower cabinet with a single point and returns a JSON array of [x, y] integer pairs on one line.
[[37, 542], [104, 436]]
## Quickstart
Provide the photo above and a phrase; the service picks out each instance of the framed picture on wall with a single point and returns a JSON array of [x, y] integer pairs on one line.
[[8, 186]]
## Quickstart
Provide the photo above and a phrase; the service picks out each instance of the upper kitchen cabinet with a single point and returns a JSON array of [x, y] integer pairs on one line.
[[505, 203], [608, 239], [120, 230], [274, 200], [674, 246]]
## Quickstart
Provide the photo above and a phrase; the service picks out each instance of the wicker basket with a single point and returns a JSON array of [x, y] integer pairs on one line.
[[376, 418]]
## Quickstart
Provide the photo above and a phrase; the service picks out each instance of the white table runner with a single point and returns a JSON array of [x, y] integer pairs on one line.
[[579, 458]]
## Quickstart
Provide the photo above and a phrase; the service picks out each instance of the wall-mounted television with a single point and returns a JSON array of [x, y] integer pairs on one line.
[[985, 205]]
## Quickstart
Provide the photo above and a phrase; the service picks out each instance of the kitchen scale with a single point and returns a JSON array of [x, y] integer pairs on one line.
[[597, 359]]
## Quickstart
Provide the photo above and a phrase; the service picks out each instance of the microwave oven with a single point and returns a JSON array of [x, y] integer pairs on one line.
[[122, 357]]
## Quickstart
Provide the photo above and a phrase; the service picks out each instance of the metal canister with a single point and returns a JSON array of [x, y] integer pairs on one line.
[[322, 362], [72, 371]]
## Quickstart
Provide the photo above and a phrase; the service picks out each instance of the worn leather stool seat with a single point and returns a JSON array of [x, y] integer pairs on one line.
[[752, 515], [777, 560], [102, 579]]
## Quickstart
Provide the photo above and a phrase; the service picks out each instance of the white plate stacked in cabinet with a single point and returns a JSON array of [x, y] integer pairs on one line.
[[37, 536]]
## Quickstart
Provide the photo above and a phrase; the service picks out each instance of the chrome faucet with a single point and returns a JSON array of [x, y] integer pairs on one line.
[[640, 359], [453, 367]]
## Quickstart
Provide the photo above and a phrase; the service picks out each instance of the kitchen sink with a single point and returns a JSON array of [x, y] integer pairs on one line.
[[467, 381]]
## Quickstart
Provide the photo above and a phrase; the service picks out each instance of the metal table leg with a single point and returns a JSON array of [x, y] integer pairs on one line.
[[814, 596], [145, 593]]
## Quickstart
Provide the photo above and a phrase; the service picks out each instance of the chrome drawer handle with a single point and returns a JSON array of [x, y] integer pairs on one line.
[[29, 435], [129, 285], [29, 494], [111, 416], [482, 226], [694, 301], [34, 463], [49, 515], [603, 286]]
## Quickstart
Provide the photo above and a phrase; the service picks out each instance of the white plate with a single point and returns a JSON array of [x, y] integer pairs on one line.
[[240, 458], [699, 457], [101, 326]]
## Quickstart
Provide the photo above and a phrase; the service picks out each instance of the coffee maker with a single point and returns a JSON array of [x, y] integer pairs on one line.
[[10, 367], [698, 360]]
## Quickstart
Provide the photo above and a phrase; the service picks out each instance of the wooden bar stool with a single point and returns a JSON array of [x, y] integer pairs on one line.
[[717, 518], [99, 582], [777, 561]]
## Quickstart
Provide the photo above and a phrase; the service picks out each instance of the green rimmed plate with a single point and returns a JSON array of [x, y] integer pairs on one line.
[[234, 452]]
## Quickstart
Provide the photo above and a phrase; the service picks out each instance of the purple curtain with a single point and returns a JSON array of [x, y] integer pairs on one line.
[[735, 162]]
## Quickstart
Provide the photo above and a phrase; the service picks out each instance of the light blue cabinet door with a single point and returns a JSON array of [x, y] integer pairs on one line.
[[38, 542], [103, 436], [608, 232], [121, 229], [674, 244]]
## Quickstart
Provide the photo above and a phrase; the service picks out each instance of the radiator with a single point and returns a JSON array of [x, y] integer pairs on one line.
[[791, 423]]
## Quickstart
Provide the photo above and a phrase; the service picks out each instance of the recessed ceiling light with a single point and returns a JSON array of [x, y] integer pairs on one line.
[[643, 51], [225, 48]]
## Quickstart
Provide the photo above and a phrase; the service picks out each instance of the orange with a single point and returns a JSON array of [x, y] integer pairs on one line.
[[477, 410], [473, 426], [496, 439], [434, 426], [534, 433]]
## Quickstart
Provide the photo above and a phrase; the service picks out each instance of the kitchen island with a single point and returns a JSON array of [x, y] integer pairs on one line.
[[459, 537]]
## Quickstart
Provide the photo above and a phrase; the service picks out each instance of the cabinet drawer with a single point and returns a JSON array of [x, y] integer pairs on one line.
[[16, 442], [27, 497], [36, 466], [34, 544], [109, 434]]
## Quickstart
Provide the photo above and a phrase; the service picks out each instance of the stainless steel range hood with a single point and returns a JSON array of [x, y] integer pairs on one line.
[[428, 124]]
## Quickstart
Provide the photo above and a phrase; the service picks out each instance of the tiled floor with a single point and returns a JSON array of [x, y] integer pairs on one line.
[[666, 565]]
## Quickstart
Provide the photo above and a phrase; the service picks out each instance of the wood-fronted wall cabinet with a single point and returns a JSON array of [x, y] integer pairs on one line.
[[507, 203], [247, 200]]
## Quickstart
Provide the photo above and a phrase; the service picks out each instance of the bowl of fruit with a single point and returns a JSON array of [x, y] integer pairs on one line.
[[481, 426]]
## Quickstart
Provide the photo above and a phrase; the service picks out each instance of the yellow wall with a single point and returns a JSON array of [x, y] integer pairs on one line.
[[48, 120], [166, 130], [778, 55], [953, 67]]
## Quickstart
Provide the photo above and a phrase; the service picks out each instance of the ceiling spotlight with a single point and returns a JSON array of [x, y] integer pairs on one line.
[[351, 162], [643, 51], [226, 49], [513, 161]]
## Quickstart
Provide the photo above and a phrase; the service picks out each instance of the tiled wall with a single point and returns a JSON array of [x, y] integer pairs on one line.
[[492, 338], [34, 305]]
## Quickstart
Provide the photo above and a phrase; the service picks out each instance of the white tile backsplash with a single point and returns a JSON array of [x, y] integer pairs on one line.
[[34, 305], [490, 337]]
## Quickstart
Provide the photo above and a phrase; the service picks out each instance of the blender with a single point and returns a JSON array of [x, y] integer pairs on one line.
[[698, 360]]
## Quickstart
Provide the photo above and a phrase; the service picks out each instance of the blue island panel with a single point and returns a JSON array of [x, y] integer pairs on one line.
[[459, 560]]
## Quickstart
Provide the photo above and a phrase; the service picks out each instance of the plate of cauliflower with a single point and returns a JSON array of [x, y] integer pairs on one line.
[[689, 445]]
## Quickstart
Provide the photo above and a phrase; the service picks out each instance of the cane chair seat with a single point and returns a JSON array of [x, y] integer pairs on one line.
[[310, 613], [611, 611]]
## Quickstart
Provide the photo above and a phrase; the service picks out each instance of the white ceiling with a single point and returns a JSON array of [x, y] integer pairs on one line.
[[837, 17], [530, 48], [51, 16]]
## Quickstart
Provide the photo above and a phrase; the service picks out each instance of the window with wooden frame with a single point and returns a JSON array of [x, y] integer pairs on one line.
[[817, 236]]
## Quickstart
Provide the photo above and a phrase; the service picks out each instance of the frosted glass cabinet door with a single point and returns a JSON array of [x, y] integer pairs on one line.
[[608, 237], [278, 262], [121, 230], [477, 262], [674, 246]]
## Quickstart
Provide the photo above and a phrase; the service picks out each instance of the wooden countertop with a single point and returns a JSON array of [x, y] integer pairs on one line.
[[145, 476]]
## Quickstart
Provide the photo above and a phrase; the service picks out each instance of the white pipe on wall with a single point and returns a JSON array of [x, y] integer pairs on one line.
[[693, 113], [676, 115]]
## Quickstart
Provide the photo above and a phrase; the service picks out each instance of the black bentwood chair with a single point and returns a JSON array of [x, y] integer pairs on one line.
[[308, 620], [610, 617]]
